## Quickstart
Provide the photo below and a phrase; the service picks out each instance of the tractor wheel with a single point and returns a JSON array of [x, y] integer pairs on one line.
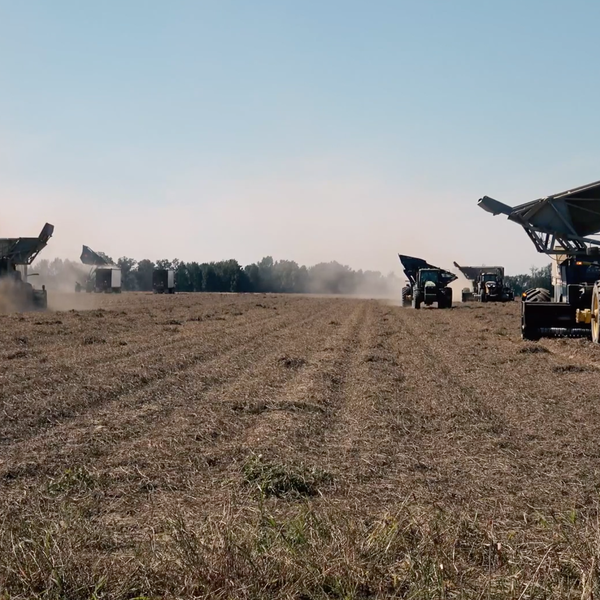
[[448, 297], [406, 296], [416, 301], [537, 295], [596, 314]]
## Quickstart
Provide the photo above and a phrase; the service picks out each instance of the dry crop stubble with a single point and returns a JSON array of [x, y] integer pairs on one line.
[[294, 447]]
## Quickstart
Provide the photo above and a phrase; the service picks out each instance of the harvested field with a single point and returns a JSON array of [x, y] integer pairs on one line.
[[226, 446]]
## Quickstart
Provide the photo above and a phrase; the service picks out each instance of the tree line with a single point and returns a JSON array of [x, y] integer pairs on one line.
[[265, 276], [537, 277]]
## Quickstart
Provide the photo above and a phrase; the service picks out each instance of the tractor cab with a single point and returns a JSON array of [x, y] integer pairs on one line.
[[429, 277], [489, 277]]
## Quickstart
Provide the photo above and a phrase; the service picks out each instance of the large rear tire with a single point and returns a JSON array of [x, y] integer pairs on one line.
[[596, 314], [537, 295], [406, 296], [416, 302], [448, 297]]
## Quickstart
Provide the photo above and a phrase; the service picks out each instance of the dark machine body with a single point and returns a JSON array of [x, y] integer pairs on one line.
[[487, 284], [16, 254], [163, 281], [104, 276], [426, 284], [560, 226]]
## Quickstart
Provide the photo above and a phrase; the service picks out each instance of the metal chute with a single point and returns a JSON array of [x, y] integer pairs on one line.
[[411, 266], [557, 224], [94, 259], [23, 250], [472, 273]]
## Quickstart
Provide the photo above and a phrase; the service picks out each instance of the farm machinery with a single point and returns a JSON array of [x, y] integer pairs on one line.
[[426, 284], [16, 254], [104, 275], [487, 284], [163, 281], [560, 226]]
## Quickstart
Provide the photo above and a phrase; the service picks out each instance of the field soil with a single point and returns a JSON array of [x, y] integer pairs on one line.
[[225, 446]]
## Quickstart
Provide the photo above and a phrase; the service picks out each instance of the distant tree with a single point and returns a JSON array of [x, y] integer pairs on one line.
[[128, 276], [164, 263], [537, 277], [253, 277], [195, 276], [143, 275], [183, 282]]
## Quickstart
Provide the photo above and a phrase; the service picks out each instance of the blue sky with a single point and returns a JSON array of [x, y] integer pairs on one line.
[[312, 130]]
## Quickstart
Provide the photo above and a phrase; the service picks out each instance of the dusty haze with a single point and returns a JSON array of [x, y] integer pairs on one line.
[[308, 214]]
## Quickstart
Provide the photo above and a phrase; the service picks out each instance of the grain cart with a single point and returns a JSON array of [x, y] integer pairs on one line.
[[426, 283], [560, 226], [487, 284], [163, 281], [16, 254], [104, 275]]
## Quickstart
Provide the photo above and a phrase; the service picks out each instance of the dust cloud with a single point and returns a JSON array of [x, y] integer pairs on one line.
[[9, 297], [64, 301], [458, 286]]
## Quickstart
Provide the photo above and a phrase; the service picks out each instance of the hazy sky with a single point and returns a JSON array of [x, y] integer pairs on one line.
[[310, 130]]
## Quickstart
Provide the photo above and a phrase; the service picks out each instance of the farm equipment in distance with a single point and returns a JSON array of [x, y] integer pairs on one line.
[[163, 281], [487, 284], [560, 226], [104, 275], [427, 284], [16, 254]]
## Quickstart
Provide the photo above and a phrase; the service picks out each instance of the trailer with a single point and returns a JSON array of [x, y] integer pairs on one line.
[[487, 284], [16, 255], [163, 281], [426, 284], [560, 226], [104, 275]]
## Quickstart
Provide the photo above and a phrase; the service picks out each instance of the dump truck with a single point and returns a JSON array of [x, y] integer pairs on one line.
[[163, 281], [16, 255], [426, 284], [487, 284], [104, 275], [560, 225]]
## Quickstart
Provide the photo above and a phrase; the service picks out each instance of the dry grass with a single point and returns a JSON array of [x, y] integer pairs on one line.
[[219, 446]]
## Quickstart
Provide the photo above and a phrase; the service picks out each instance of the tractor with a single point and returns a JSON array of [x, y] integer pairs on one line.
[[163, 281], [104, 275], [426, 284], [487, 284]]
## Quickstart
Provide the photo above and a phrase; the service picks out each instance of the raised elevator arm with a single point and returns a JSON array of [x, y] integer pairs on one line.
[[23, 250], [556, 224]]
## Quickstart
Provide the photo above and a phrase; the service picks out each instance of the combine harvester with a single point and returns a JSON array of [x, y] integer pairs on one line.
[[426, 283], [16, 254], [104, 275], [163, 281], [487, 284], [560, 226]]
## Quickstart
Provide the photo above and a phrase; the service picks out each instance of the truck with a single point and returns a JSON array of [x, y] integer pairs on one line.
[[426, 284], [560, 225], [487, 284], [16, 255], [163, 281], [103, 277]]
